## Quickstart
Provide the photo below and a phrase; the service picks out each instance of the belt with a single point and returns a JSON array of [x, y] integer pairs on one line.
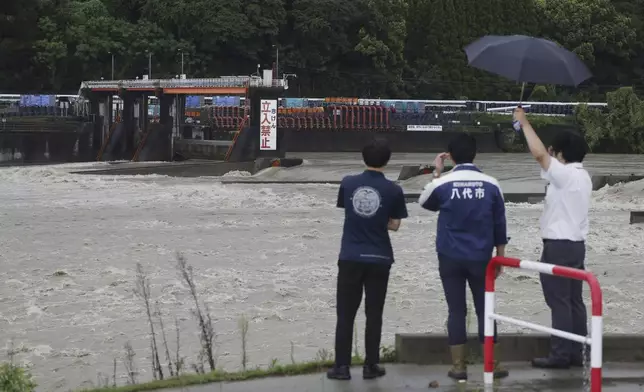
[[546, 240]]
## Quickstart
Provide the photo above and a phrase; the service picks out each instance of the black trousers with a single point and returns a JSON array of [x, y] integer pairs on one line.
[[564, 296], [353, 278], [455, 274]]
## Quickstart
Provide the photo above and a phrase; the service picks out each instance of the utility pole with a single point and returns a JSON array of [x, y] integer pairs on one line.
[[181, 51], [277, 61], [112, 54], [149, 64]]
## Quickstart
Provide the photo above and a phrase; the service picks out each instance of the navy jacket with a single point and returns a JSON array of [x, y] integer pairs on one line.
[[471, 221]]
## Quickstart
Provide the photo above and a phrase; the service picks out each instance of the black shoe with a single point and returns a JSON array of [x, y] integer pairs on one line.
[[339, 373], [457, 375], [550, 363], [369, 372]]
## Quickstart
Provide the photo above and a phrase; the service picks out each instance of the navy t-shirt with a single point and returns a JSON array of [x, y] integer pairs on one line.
[[369, 201]]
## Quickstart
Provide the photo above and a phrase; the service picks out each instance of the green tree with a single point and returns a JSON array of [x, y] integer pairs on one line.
[[387, 48], [382, 42], [622, 126], [602, 37], [17, 37]]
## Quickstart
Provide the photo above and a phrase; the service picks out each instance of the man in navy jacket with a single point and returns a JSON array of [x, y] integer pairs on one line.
[[471, 223], [373, 206]]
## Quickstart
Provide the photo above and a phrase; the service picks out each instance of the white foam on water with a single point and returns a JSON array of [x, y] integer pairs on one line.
[[237, 173], [70, 244]]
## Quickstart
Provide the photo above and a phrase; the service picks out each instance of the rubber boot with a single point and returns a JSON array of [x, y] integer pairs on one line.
[[459, 367], [499, 372]]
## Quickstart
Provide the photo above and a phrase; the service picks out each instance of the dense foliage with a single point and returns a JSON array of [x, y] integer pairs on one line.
[[14, 378], [388, 48], [620, 128]]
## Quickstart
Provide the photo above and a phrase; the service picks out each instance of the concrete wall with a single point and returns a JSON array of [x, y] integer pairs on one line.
[[600, 181], [157, 145], [43, 147], [431, 349], [202, 149], [321, 140], [175, 169]]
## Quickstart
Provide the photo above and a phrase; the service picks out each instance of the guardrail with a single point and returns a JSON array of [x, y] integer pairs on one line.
[[596, 335], [185, 83]]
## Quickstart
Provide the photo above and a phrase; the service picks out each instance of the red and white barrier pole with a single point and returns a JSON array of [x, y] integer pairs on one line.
[[596, 337]]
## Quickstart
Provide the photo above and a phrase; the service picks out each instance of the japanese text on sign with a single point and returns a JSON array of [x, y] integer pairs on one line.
[[268, 125], [468, 190]]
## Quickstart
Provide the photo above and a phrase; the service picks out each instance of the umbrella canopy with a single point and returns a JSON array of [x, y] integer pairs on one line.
[[527, 59]]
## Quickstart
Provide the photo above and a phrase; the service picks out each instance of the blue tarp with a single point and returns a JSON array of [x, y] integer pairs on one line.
[[193, 101], [294, 103], [226, 100], [37, 100]]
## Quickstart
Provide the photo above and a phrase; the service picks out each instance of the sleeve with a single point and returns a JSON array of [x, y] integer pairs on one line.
[[556, 173], [500, 223], [340, 203], [429, 199], [399, 210]]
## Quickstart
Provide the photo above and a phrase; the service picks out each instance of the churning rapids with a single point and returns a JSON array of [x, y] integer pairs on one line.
[[69, 245]]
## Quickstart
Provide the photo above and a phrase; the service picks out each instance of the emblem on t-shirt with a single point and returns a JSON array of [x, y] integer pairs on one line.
[[366, 201]]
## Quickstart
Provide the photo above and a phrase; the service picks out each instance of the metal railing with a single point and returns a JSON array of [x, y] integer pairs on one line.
[[236, 81], [596, 334]]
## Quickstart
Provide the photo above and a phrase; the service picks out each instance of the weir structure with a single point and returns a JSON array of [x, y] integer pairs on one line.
[[123, 129]]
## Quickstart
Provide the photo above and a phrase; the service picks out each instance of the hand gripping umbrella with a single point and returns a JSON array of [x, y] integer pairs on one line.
[[527, 60]]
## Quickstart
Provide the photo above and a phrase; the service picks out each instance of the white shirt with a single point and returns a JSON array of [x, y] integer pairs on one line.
[[565, 213]]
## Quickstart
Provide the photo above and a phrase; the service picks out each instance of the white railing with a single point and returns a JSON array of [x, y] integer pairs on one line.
[[596, 334], [241, 81]]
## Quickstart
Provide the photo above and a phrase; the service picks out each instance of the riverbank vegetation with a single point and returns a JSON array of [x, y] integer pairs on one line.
[[14, 377], [171, 368], [366, 48]]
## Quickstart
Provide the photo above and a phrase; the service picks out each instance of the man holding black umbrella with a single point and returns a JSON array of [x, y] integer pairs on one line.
[[564, 228]]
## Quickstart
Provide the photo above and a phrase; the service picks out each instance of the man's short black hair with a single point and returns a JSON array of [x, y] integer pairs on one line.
[[462, 148], [376, 154], [571, 145]]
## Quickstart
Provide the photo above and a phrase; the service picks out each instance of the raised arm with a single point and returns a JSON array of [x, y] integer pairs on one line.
[[538, 150], [552, 170]]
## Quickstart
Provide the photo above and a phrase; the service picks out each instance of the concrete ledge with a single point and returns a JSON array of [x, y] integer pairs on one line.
[[433, 349], [599, 181], [411, 171], [265, 163], [637, 217], [174, 169], [278, 182], [532, 198], [199, 142]]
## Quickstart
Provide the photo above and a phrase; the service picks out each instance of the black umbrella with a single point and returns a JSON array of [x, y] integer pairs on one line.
[[527, 59]]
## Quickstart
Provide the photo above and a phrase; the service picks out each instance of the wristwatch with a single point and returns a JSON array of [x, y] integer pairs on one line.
[[435, 174]]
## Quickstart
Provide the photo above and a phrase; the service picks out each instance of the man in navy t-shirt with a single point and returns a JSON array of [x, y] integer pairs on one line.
[[372, 205]]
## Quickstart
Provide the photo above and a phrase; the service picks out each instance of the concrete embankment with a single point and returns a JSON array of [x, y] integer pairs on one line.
[[412, 177], [325, 140], [192, 168], [415, 378], [433, 349], [423, 363]]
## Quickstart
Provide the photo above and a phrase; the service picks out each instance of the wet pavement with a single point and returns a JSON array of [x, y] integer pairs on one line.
[[410, 378]]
